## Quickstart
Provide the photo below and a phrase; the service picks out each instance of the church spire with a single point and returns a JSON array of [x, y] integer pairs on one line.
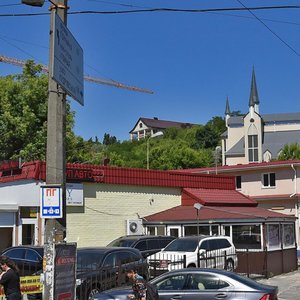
[[227, 108], [254, 100], [227, 112]]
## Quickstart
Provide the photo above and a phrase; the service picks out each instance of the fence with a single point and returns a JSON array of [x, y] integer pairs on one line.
[[264, 263]]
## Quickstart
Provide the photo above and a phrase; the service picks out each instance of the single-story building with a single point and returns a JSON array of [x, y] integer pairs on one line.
[[104, 203]]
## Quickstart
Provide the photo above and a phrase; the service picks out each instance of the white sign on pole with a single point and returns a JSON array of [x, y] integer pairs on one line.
[[67, 61], [74, 194], [51, 202]]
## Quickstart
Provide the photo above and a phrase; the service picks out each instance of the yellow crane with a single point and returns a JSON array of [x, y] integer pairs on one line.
[[19, 62]]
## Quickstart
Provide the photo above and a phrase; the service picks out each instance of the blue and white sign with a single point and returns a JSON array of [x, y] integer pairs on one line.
[[51, 202], [67, 61]]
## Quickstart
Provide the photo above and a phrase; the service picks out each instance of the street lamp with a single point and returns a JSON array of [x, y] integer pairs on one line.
[[155, 135], [197, 206], [217, 153]]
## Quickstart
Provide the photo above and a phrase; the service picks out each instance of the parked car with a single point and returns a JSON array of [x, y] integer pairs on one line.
[[97, 268], [204, 284], [147, 244], [195, 251], [29, 259], [103, 268]]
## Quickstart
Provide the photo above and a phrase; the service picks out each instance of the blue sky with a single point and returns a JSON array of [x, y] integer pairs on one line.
[[192, 61]]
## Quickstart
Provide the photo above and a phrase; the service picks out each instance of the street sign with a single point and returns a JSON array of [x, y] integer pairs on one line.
[[51, 202], [67, 67]]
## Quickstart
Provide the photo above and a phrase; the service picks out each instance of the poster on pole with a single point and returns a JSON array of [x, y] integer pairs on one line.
[[65, 271]]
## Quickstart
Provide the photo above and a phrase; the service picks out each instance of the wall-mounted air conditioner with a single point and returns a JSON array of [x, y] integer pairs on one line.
[[134, 227]]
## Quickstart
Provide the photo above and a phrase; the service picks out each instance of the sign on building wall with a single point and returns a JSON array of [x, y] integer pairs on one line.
[[51, 202], [74, 194]]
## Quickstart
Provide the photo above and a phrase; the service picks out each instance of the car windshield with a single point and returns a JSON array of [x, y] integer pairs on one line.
[[184, 245], [121, 243]]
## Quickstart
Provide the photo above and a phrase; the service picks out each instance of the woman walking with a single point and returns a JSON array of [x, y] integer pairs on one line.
[[10, 279]]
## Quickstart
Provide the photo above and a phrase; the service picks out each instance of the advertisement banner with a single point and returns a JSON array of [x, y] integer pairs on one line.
[[29, 285], [65, 271]]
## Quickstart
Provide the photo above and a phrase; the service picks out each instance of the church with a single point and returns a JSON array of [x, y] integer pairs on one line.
[[255, 137]]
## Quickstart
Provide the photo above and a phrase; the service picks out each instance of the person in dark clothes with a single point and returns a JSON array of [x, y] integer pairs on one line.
[[10, 279]]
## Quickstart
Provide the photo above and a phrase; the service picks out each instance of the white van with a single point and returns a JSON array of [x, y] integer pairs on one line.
[[196, 251]]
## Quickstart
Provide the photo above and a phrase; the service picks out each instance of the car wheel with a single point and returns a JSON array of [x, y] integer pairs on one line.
[[229, 265], [92, 292]]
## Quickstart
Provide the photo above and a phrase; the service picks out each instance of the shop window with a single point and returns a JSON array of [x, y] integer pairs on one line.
[[192, 230], [28, 212], [214, 230], [246, 236], [269, 180], [288, 235], [238, 182], [156, 230], [151, 230], [273, 236]]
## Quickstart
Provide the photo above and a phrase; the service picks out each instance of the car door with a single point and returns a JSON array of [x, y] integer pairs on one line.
[[172, 287], [33, 262], [206, 286]]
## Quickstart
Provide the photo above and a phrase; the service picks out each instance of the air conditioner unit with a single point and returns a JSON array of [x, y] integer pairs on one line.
[[135, 227]]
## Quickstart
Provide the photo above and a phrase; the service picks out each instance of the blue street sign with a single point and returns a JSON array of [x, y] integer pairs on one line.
[[51, 202]]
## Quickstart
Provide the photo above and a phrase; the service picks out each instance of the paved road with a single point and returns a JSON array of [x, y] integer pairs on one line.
[[288, 285]]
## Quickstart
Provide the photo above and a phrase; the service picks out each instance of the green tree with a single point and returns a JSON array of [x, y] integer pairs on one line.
[[23, 115], [217, 124], [290, 151], [109, 140]]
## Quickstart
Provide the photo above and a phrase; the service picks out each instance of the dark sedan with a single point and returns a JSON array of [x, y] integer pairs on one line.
[[204, 284], [29, 259]]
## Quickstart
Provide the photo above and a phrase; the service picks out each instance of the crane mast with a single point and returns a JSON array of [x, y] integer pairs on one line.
[[21, 63]]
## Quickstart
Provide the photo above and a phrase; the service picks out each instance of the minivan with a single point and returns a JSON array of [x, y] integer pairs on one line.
[[147, 244], [196, 251]]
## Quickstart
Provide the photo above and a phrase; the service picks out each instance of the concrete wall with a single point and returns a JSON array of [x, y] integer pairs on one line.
[[107, 207]]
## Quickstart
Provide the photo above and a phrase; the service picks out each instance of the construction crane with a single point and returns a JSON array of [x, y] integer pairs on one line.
[[21, 63]]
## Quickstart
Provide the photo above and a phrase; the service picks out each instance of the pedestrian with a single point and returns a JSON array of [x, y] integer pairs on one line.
[[138, 285], [10, 278]]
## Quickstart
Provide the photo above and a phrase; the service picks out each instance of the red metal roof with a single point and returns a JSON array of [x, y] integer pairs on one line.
[[212, 170], [102, 174], [215, 197], [207, 213]]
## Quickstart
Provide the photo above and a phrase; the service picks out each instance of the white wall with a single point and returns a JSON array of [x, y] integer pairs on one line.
[[22, 193]]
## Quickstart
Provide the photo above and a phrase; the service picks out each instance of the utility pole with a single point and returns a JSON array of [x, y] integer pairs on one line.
[[55, 229]]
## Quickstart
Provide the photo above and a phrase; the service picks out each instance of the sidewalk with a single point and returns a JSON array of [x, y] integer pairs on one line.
[[288, 285]]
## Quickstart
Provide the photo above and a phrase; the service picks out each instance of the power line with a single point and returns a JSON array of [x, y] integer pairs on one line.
[[159, 10], [273, 32]]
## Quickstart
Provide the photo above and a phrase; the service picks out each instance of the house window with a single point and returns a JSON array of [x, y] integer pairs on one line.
[[141, 125], [268, 180], [253, 148], [238, 182]]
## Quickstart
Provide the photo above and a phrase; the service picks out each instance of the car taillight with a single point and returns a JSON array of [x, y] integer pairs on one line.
[[269, 297]]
